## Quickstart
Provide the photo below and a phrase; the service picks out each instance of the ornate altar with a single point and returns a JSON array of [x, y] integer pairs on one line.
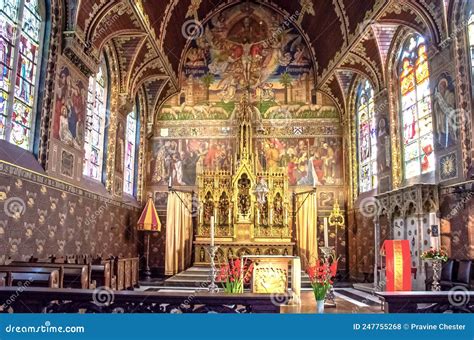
[[250, 208]]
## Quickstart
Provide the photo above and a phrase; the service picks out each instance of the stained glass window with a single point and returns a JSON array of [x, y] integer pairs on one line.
[[130, 152], [367, 137], [20, 44], [95, 124], [471, 46], [415, 101]]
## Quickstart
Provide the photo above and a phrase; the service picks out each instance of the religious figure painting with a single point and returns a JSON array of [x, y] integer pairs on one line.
[[244, 49], [444, 107], [70, 107], [307, 161], [180, 161]]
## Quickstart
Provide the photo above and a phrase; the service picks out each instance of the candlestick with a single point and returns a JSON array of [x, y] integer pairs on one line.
[[212, 231], [326, 236]]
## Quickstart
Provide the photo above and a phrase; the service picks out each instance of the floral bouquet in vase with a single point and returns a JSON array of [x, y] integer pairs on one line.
[[435, 254], [234, 274], [321, 276]]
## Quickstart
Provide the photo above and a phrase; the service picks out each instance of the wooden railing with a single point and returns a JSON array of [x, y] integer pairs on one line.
[[454, 301], [46, 300]]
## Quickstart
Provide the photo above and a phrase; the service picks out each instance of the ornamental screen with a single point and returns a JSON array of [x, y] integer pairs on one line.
[[20, 41], [367, 139], [415, 104]]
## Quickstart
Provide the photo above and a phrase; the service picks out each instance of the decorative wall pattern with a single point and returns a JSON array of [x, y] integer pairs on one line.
[[42, 216]]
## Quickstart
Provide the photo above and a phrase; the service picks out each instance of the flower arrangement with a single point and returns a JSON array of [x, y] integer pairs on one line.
[[435, 254], [234, 274], [321, 275]]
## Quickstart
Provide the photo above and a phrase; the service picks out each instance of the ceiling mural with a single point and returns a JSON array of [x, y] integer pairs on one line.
[[237, 46], [246, 49]]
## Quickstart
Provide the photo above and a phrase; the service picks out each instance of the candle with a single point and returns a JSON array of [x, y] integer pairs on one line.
[[271, 216], [201, 214], [212, 231], [326, 236], [286, 216], [258, 216], [170, 181], [230, 216], [314, 180]]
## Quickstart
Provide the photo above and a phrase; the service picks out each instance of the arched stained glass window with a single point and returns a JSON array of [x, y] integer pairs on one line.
[[131, 134], [367, 137], [415, 102], [94, 142], [21, 37], [471, 46]]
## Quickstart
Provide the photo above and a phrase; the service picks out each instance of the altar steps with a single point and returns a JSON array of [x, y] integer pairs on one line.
[[198, 276]]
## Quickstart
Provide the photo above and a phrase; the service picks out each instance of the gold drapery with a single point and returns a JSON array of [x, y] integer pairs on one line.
[[179, 233], [306, 228]]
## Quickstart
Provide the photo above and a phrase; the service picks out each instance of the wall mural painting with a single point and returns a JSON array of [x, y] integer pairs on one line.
[[307, 161], [445, 113], [250, 49], [184, 159], [383, 142], [70, 107]]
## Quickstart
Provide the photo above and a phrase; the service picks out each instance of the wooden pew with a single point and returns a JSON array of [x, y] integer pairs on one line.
[[70, 275], [126, 272], [35, 276]]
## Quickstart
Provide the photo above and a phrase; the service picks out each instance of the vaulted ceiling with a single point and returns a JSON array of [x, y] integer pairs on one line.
[[347, 37]]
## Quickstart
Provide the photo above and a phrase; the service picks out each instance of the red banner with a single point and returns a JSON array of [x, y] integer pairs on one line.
[[397, 265]]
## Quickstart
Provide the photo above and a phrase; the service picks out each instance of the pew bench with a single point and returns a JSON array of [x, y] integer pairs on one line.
[[70, 275], [31, 276]]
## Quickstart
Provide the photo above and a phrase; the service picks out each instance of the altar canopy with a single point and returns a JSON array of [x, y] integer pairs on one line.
[[179, 232]]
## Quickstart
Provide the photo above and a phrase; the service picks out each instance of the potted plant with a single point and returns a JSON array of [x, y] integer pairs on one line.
[[234, 274], [436, 257], [321, 276]]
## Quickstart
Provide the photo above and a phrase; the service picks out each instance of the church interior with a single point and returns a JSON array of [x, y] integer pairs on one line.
[[236, 156]]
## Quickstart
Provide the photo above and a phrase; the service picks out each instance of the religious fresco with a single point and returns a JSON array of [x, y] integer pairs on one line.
[[250, 49], [183, 159], [444, 112], [70, 106], [307, 161]]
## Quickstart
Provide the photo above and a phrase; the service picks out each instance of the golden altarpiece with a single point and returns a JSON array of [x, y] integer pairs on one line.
[[250, 207]]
